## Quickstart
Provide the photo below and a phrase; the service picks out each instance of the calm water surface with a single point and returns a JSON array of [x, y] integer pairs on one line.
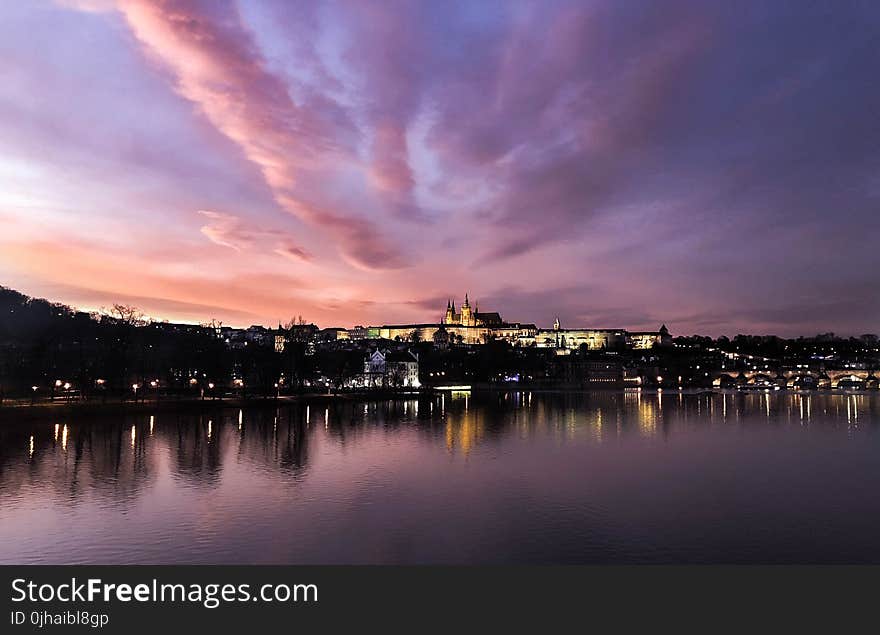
[[464, 478]]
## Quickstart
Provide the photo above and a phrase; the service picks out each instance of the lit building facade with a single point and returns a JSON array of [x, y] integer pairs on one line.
[[397, 369], [470, 326]]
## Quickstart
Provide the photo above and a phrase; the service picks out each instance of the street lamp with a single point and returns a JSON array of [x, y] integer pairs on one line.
[[33, 394], [135, 387]]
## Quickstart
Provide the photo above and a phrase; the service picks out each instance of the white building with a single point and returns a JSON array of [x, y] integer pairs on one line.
[[396, 369]]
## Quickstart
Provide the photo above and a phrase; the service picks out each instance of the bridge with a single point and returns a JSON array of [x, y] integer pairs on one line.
[[837, 378]]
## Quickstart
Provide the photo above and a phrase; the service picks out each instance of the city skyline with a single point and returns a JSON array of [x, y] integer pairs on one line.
[[499, 327], [709, 167]]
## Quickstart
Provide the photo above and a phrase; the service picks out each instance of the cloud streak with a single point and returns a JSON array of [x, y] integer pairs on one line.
[[218, 67]]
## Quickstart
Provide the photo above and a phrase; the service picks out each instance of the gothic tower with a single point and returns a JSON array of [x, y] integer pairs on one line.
[[467, 318], [450, 313]]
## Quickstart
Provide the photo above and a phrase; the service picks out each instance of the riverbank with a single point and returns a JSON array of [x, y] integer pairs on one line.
[[23, 411], [11, 412]]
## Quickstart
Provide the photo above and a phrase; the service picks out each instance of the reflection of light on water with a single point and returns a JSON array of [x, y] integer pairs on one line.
[[366, 410], [326, 417], [597, 426], [132, 436], [56, 432], [648, 417], [464, 433], [804, 407], [152, 421], [31, 446], [307, 415], [852, 410], [64, 437], [209, 429], [240, 418], [569, 423]]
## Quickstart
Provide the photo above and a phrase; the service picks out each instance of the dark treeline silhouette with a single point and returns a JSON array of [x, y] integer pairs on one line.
[[50, 350]]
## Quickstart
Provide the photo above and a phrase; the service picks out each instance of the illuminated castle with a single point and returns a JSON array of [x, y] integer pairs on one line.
[[469, 317], [470, 326]]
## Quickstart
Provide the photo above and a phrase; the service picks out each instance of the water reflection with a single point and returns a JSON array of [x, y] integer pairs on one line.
[[262, 471]]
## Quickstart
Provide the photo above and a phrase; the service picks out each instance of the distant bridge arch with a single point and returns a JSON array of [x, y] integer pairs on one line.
[[830, 378]]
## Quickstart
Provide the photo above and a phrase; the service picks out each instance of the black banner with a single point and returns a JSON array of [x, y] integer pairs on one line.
[[129, 599]]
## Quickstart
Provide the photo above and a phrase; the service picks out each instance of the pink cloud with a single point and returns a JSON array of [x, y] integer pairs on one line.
[[227, 230], [217, 66], [292, 252]]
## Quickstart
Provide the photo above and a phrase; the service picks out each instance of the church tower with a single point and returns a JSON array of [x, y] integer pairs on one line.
[[466, 315], [450, 313]]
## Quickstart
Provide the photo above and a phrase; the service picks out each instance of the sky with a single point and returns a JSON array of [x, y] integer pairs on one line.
[[714, 166]]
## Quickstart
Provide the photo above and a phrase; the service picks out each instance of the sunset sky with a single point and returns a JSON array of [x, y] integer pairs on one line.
[[711, 165]]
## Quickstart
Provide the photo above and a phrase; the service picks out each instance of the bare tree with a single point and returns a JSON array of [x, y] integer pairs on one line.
[[214, 325], [295, 321], [126, 314], [397, 375]]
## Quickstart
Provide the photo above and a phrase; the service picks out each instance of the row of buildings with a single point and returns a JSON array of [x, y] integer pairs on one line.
[[469, 325]]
